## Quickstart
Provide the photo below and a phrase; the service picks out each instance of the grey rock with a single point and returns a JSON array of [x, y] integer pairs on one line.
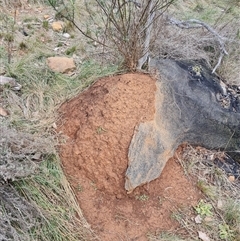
[[145, 154], [66, 35], [187, 110], [10, 81]]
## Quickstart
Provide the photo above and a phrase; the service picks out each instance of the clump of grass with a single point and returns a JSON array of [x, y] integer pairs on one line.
[[204, 209], [218, 222], [23, 46], [8, 29], [165, 236], [59, 44], [225, 233], [71, 50], [142, 198], [43, 90], [230, 228], [50, 192], [45, 24], [30, 19], [9, 37], [208, 190], [68, 27], [232, 212], [33, 110], [19, 151]]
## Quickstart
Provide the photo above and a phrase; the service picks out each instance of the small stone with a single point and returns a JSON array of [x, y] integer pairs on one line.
[[231, 178], [208, 219], [66, 35], [39, 9], [198, 219], [61, 64], [203, 236], [46, 16], [211, 157], [3, 112], [10, 81], [57, 26], [37, 156], [219, 204]]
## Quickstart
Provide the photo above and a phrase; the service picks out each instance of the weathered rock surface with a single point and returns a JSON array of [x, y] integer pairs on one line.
[[187, 110], [61, 64]]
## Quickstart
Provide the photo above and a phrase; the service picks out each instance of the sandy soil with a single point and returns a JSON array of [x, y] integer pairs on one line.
[[99, 124]]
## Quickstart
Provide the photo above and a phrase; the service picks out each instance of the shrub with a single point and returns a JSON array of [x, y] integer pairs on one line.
[[124, 26]]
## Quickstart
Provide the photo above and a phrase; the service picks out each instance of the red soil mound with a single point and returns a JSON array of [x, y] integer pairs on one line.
[[100, 123]]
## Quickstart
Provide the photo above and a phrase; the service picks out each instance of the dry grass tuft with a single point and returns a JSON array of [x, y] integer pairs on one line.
[[18, 216], [51, 193], [19, 152], [196, 43], [219, 210]]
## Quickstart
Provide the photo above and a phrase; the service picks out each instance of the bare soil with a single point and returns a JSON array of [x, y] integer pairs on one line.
[[99, 124]]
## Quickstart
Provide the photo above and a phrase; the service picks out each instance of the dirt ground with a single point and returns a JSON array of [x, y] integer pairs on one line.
[[99, 124]]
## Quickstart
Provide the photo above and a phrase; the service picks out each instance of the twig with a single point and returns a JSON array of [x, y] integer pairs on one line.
[[218, 63]]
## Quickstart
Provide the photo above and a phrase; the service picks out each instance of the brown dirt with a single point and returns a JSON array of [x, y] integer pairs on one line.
[[100, 123]]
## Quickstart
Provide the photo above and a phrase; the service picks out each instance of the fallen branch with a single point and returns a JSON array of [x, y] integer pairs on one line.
[[218, 63], [195, 23]]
